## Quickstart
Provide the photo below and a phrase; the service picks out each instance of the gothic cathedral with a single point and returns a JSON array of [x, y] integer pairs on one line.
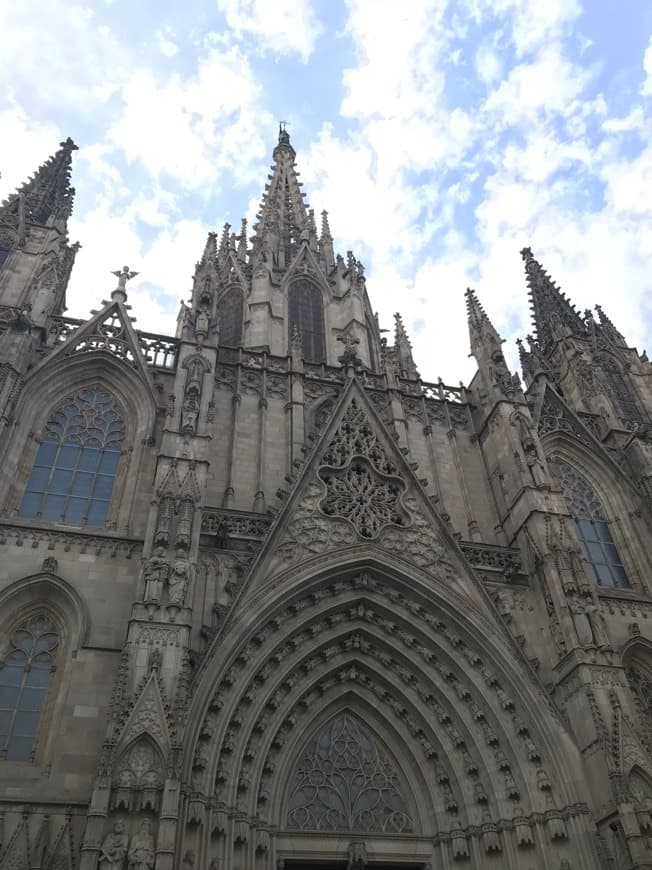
[[269, 600]]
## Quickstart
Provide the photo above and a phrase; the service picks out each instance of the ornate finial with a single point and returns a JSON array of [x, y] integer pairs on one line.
[[526, 253], [283, 135], [123, 275], [350, 341], [68, 145]]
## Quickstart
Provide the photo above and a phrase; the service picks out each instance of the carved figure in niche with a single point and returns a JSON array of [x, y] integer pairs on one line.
[[201, 325], [156, 573], [114, 848], [531, 453], [141, 852], [190, 411], [178, 580], [588, 624]]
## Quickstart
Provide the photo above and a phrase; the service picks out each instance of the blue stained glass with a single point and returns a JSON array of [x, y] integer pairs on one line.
[[74, 471], [593, 530], [61, 481], [54, 507], [68, 457], [46, 454], [88, 458], [103, 486], [24, 681], [97, 512]]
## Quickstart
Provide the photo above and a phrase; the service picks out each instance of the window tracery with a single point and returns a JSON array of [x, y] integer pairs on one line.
[[641, 688], [588, 513], [24, 679], [345, 783], [305, 315], [75, 466], [231, 310], [619, 388]]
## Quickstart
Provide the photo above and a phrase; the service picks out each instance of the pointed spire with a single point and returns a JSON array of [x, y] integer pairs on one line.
[[482, 332], [242, 242], [609, 330], [326, 252], [210, 250], [552, 313], [404, 348], [283, 215], [533, 361], [48, 194]]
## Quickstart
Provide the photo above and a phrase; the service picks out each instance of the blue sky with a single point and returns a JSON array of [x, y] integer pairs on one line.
[[441, 136]]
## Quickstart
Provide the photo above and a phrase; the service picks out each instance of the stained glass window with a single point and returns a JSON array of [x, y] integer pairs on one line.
[[230, 311], [4, 254], [24, 678], [619, 388], [345, 783], [306, 315], [372, 350], [74, 470], [598, 547]]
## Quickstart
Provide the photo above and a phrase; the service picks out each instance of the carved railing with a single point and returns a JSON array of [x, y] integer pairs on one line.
[[60, 328], [227, 525], [159, 351], [505, 560]]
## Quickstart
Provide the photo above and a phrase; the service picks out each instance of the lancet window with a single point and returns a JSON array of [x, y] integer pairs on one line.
[[231, 310], [641, 687], [307, 317], [619, 388], [344, 782], [24, 678], [76, 463], [599, 550]]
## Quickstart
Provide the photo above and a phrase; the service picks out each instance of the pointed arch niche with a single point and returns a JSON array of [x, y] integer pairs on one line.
[[230, 309], [605, 563], [306, 316], [346, 781], [49, 387]]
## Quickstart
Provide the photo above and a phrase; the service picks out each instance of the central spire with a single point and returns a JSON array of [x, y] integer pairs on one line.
[[283, 216]]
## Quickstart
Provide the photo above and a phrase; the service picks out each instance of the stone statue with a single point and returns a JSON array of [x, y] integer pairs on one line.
[[190, 413], [156, 572], [141, 852], [582, 623], [178, 581], [114, 848]]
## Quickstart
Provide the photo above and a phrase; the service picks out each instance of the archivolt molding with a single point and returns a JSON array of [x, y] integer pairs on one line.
[[47, 590], [437, 675]]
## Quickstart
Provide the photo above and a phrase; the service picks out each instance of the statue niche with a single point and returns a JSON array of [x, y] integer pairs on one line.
[[138, 778]]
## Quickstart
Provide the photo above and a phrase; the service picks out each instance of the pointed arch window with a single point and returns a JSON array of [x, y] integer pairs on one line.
[[599, 550], [619, 388], [344, 782], [75, 466], [641, 688], [307, 317], [24, 678], [231, 310]]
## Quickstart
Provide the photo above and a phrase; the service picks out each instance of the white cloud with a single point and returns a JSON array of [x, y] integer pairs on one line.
[[194, 128], [58, 54], [281, 27], [26, 144], [647, 67], [110, 237]]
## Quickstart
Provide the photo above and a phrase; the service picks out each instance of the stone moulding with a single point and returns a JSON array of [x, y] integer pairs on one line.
[[28, 535]]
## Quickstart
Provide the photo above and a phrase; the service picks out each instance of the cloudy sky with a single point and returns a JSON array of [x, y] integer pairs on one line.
[[441, 136]]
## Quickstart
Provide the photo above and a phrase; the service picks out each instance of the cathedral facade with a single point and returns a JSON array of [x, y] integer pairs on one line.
[[270, 600]]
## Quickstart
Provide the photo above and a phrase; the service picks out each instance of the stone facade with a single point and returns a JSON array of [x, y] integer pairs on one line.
[[268, 599]]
